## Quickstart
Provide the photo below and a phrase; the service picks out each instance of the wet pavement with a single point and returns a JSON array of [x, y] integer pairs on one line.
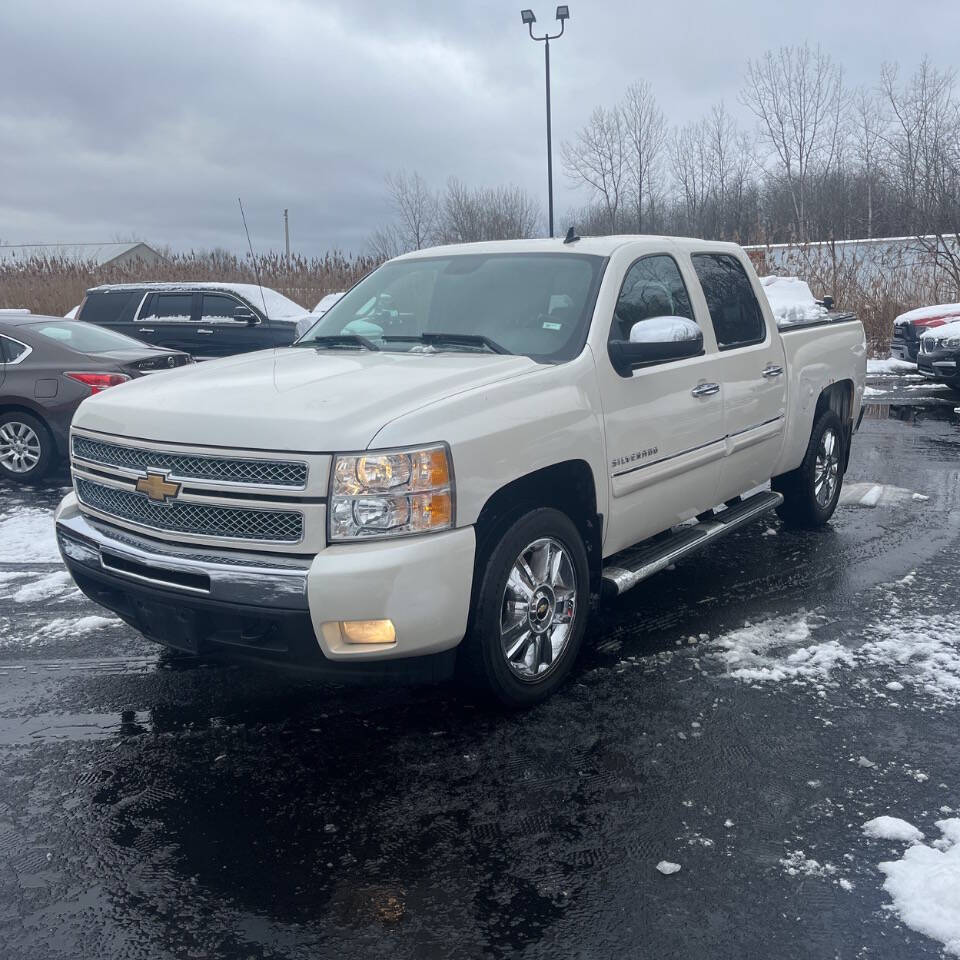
[[739, 715]]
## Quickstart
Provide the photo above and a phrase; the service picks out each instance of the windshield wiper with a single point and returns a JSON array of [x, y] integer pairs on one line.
[[450, 339], [339, 340]]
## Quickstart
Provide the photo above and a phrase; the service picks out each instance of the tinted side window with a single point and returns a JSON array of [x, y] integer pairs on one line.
[[218, 307], [736, 315], [171, 307], [110, 306], [653, 287], [10, 350]]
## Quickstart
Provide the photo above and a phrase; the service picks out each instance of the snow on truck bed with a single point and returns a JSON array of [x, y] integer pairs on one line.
[[791, 300]]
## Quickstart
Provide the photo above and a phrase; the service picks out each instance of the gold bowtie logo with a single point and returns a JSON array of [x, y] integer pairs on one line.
[[157, 487]]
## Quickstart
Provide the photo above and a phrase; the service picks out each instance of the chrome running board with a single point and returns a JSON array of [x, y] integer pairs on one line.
[[627, 568]]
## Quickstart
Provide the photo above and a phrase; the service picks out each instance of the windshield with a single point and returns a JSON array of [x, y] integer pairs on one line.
[[84, 337], [534, 304]]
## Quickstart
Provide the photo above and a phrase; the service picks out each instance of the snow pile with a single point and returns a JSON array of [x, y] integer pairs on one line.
[[776, 650], [892, 828], [799, 864], [890, 366], [791, 300], [44, 587], [924, 884], [27, 536], [667, 868]]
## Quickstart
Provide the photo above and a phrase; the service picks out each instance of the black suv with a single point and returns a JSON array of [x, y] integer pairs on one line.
[[939, 357], [203, 319]]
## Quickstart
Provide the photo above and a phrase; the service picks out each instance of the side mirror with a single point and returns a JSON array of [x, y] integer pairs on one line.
[[245, 315], [656, 340]]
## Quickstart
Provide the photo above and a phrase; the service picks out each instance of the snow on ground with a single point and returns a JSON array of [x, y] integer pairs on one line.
[[42, 587], [61, 628], [892, 828], [924, 884], [922, 651], [27, 536], [890, 366], [876, 494], [791, 300]]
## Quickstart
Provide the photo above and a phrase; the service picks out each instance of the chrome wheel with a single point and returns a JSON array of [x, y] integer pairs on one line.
[[827, 469], [538, 609], [20, 449]]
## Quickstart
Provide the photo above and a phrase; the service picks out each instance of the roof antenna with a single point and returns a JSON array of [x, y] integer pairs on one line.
[[571, 236], [256, 269]]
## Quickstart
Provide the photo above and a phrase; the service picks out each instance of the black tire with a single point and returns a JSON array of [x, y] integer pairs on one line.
[[482, 661], [802, 507], [28, 428]]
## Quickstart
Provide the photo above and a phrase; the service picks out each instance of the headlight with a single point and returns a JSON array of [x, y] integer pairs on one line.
[[953, 343], [391, 493]]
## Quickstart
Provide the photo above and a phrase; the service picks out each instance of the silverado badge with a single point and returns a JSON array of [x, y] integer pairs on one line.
[[157, 487]]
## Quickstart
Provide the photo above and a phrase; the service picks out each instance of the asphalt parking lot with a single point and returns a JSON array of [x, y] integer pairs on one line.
[[741, 716]]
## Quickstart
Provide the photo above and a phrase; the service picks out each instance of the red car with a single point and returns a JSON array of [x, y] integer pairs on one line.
[[909, 327]]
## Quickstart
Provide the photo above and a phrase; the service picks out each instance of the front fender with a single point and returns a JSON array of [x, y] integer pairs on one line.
[[506, 430]]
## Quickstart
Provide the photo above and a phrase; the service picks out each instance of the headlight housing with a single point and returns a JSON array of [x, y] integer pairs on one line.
[[952, 343], [391, 493]]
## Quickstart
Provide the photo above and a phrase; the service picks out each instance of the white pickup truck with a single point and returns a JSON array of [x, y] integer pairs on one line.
[[471, 447]]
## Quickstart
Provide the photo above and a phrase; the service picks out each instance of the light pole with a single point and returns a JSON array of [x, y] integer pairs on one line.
[[563, 14]]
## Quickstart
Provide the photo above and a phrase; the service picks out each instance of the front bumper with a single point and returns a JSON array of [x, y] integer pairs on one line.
[[280, 608], [942, 366], [904, 349]]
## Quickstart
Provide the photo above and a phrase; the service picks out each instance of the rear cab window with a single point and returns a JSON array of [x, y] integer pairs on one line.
[[105, 307], [734, 310]]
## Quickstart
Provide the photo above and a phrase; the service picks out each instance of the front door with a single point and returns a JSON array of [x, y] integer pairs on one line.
[[221, 334], [166, 320], [664, 422], [753, 371]]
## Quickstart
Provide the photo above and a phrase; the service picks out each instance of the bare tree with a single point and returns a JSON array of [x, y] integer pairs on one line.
[[416, 207], [797, 95], [645, 133], [924, 145], [386, 243], [690, 161], [598, 160], [868, 127], [487, 213]]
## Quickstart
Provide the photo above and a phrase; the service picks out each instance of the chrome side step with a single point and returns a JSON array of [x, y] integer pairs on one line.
[[627, 568]]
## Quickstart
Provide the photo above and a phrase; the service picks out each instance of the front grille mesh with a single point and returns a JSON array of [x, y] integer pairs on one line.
[[233, 523], [273, 473]]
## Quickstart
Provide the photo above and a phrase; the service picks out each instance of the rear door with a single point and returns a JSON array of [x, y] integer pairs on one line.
[[752, 370], [168, 319], [220, 334], [663, 422]]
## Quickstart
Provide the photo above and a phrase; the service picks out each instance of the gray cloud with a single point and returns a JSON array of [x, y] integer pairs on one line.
[[119, 118]]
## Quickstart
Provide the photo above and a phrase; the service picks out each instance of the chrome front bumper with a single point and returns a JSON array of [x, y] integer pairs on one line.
[[227, 577]]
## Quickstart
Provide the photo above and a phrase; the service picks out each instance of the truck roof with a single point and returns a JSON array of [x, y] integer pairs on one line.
[[596, 246]]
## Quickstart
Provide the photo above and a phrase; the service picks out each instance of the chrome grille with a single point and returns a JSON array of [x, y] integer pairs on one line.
[[263, 473], [928, 344], [199, 519]]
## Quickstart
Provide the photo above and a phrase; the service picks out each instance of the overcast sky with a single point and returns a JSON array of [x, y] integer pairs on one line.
[[127, 119]]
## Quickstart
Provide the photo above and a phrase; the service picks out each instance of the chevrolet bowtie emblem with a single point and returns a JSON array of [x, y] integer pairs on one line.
[[157, 487]]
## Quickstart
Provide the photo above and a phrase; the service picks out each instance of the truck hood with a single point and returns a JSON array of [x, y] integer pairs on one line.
[[293, 399]]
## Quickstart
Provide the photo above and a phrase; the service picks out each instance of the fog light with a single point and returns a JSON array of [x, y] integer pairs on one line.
[[368, 631]]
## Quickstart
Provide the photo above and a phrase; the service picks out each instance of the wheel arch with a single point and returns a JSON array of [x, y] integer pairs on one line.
[[567, 486], [838, 397]]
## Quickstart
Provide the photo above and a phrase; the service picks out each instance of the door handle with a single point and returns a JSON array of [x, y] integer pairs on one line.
[[705, 389], [772, 370], [203, 330], [146, 330]]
